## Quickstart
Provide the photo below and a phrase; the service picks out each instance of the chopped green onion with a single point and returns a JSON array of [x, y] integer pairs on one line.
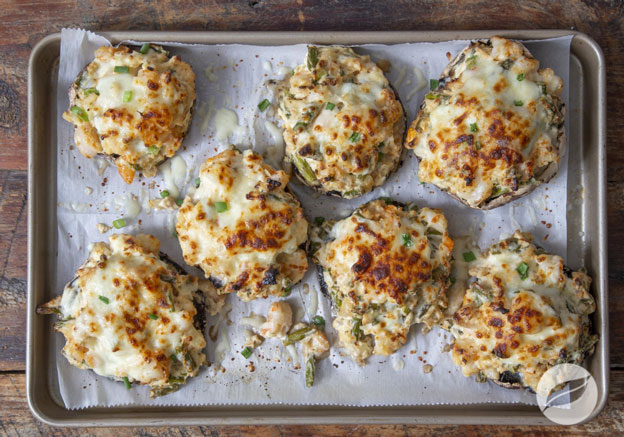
[[318, 321], [319, 221], [152, 316], [91, 91], [472, 60], [164, 193], [431, 96], [297, 335], [122, 69], [246, 352], [518, 102], [221, 206], [469, 256], [452, 279], [304, 168], [312, 58], [356, 329], [153, 150], [126, 382], [407, 240], [388, 200], [520, 77], [197, 182], [355, 137], [300, 124], [144, 48], [174, 380], [137, 167], [473, 127], [433, 84], [174, 358], [523, 269], [80, 113], [431, 231], [286, 291], [127, 96], [477, 145], [179, 201], [309, 372], [104, 299], [263, 105], [330, 106], [119, 223]]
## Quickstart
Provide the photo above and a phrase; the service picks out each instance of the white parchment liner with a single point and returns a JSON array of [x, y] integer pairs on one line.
[[233, 77]]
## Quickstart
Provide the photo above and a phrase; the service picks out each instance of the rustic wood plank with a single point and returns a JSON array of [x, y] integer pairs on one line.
[[16, 420]]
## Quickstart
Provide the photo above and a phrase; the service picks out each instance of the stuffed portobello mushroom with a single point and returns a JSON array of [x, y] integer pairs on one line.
[[524, 312], [132, 106], [343, 124], [493, 129], [243, 228], [385, 267], [132, 315]]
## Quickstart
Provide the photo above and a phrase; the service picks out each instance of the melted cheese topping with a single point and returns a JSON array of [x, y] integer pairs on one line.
[[129, 314], [242, 228], [138, 117], [343, 124], [385, 267], [524, 313], [492, 127]]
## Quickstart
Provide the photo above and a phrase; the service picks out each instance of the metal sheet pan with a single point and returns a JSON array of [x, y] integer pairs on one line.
[[587, 236]]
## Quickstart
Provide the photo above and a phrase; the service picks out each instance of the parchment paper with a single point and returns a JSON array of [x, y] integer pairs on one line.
[[233, 77]]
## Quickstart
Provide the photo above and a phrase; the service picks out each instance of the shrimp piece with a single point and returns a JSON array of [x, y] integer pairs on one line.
[[279, 320]]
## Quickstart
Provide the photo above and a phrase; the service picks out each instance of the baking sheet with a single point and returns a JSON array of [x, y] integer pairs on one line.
[[231, 77]]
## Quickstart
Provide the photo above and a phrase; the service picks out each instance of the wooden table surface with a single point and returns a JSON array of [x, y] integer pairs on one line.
[[24, 23]]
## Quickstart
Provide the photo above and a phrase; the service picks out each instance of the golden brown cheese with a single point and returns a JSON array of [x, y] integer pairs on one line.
[[524, 313], [386, 267], [493, 128], [128, 314], [242, 227], [132, 107], [343, 124]]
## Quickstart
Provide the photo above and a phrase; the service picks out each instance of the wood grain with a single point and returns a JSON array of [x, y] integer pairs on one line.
[[26, 22]]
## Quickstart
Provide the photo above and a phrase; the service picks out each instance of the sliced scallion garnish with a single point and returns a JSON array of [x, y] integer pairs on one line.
[[91, 91], [355, 137], [407, 240], [119, 223], [309, 372], [523, 269], [520, 77], [473, 127], [152, 316], [164, 193], [144, 48], [318, 321], [81, 113], [127, 96], [153, 150], [122, 69], [221, 206], [179, 202], [286, 291], [197, 182], [433, 84], [518, 103], [330, 106], [126, 382], [104, 299], [469, 256], [263, 105], [319, 221], [246, 352]]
